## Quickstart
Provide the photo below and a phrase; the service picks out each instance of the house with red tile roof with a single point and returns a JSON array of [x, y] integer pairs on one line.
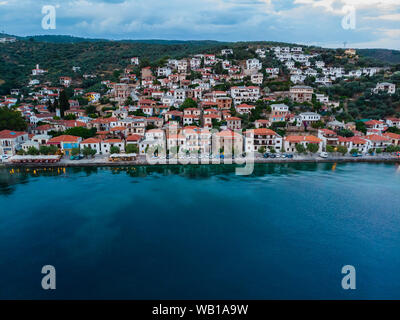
[[290, 142], [11, 141], [106, 145], [228, 142], [362, 145], [376, 125], [393, 122], [328, 137], [244, 108], [133, 139], [234, 123], [262, 138], [66, 143], [91, 143], [395, 138], [43, 129], [377, 141], [262, 123]]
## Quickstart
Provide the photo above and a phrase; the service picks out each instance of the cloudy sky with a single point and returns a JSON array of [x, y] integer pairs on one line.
[[318, 22]]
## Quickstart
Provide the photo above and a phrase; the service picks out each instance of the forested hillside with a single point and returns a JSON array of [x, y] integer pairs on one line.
[[18, 59], [58, 54], [384, 55]]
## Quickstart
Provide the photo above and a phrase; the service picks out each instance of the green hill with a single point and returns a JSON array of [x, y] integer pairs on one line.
[[383, 55], [59, 53]]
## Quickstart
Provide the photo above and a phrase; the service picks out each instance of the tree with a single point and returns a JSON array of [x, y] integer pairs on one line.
[[128, 101], [82, 132], [75, 151], [345, 133], [272, 149], [262, 150], [50, 106], [330, 149], [393, 130], [342, 149], [318, 124], [44, 150], [313, 147], [300, 148], [86, 151], [70, 117], [90, 109], [63, 101], [32, 151], [56, 105], [188, 103], [11, 120], [353, 151], [131, 148], [114, 149]]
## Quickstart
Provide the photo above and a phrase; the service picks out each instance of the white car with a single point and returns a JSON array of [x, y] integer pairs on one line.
[[4, 157], [323, 155]]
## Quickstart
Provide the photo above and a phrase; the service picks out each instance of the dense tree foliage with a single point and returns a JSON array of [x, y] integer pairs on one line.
[[11, 120]]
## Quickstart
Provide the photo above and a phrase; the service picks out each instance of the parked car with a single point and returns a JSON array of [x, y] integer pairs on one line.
[[288, 155], [4, 157], [323, 155], [77, 157], [266, 155], [355, 155]]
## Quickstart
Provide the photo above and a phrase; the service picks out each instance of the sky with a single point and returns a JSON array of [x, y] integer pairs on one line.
[[328, 23]]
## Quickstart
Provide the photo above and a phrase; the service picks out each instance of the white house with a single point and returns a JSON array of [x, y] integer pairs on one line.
[[106, 145], [92, 143], [262, 137], [253, 64], [11, 141], [390, 88], [309, 117], [245, 94], [226, 52], [135, 61]]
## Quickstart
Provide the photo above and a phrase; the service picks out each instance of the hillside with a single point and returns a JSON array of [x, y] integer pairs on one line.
[[18, 59], [59, 53], [384, 55]]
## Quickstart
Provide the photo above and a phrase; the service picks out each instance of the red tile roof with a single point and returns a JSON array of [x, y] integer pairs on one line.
[[63, 138], [133, 137], [8, 134], [91, 140], [298, 139]]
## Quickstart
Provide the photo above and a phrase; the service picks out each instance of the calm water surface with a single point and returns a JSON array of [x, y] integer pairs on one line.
[[202, 232]]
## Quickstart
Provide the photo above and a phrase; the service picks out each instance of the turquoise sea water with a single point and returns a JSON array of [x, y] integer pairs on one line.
[[202, 232]]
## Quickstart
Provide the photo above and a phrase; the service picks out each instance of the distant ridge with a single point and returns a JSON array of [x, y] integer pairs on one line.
[[55, 38], [383, 55], [386, 55], [380, 55]]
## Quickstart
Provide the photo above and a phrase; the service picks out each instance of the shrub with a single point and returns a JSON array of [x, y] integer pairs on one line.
[[342, 149], [114, 149], [300, 148]]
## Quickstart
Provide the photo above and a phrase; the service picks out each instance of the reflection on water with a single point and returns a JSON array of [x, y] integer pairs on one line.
[[201, 232], [9, 178]]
